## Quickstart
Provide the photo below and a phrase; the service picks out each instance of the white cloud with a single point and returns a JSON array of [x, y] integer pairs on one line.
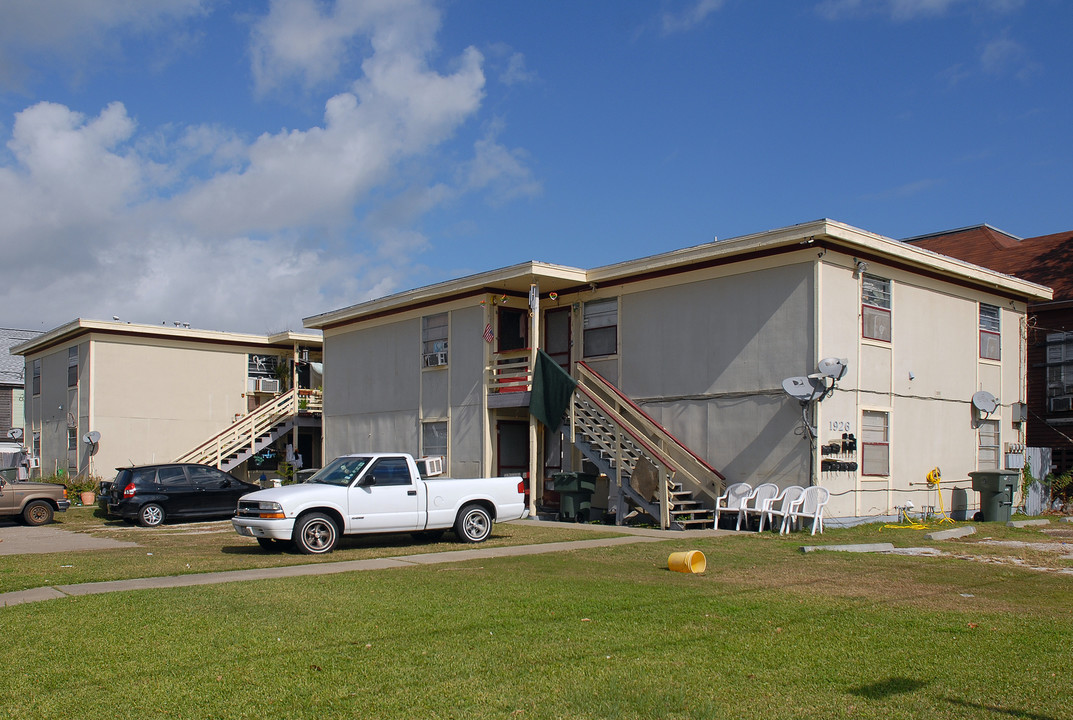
[[198, 224], [34, 31], [689, 18], [903, 10], [1003, 56]]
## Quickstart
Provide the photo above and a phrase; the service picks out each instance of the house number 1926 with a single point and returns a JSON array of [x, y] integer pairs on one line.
[[840, 426]]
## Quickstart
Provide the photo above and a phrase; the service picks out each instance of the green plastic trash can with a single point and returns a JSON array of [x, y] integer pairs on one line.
[[996, 488], [575, 495]]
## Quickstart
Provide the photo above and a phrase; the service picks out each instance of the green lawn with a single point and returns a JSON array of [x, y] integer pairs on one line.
[[766, 632], [186, 548]]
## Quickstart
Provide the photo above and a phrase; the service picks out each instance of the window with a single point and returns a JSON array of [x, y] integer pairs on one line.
[[72, 366], [875, 443], [391, 471], [434, 438], [262, 365], [987, 455], [990, 338], [72, 438], [600, 328], [37, 445], [434, 339], [171, 475], [875, 308], [37, 377]]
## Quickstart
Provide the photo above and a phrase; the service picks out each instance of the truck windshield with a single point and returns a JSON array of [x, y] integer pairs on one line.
[[340, 471]]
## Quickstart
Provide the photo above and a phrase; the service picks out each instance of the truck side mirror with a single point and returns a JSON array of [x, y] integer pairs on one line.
[[367, 481]]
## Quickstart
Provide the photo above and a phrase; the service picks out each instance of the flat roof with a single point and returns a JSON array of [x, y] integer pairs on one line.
[[79, 327], [825, 233]]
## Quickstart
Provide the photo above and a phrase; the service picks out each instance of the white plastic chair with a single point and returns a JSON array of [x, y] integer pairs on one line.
[[754, 504], [731, 500], [810, 505], [780, 506]]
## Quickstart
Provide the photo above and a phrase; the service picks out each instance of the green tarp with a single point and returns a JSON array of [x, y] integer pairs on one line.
[[552, 390]]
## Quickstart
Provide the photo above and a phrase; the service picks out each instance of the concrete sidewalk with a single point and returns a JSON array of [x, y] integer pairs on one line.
[[60, 591]]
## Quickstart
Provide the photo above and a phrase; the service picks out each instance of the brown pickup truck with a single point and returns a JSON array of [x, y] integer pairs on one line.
[[35, 502]]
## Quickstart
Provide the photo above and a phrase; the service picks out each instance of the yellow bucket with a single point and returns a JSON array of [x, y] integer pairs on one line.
[[690, 561]]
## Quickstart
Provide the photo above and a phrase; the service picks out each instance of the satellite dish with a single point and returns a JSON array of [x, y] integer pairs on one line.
[[799, 388], [92, 438], [15, 434], [985, 402], [832, 367]]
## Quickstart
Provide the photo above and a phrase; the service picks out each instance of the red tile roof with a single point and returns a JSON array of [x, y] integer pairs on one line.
[[1047, 260]]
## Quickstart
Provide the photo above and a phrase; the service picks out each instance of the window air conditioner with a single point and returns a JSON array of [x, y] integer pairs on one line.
[[430, 466], [435, 359], [268, 385], [1060, 404]]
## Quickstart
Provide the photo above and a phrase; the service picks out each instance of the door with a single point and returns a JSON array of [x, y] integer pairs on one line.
[[557, 336], [512, 448], [176, 491], [385, 499], [7, 490], [513, 329], [217, 493]]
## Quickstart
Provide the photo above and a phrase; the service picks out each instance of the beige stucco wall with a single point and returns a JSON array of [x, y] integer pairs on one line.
[[935, 334], [152, 403]]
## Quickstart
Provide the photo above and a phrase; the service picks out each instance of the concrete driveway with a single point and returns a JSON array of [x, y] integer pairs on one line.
[[19, 539]]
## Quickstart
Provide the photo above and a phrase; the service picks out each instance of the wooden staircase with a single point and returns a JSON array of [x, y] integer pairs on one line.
[[650, 470], [252, 433]]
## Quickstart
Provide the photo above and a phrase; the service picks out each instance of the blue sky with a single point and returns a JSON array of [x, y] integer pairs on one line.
[[242, 165]]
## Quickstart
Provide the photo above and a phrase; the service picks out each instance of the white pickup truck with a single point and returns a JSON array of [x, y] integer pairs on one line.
[[376, 493]]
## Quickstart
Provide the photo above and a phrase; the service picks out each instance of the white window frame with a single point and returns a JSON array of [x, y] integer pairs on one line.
[[599, 320], [876, 294], [875, 443], [72, 365], [435, 330], [988, 445], [438, 449], [990, 332]]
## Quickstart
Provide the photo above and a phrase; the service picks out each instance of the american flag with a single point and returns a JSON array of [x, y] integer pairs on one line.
[[488, 332]]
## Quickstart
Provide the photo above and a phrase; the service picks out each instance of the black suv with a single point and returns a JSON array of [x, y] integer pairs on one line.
[[151, 493]]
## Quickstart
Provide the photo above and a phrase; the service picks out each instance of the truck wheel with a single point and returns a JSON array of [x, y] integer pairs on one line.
[[37, 512], [473, 524], [315, 534], [150, 515]]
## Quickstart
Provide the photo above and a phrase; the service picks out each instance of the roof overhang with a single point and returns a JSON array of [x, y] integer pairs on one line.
[[80, 327], [514, 280], [828, 234]]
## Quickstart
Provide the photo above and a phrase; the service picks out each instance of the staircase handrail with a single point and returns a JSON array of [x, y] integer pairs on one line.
[[634, 434], [642, 424], [245, 430]]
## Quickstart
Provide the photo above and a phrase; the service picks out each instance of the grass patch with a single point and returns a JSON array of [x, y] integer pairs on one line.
[[186, 548], [604, 633]]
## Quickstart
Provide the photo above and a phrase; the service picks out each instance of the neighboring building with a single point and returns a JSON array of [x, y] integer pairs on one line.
[[1047, 260], [11, 380], [681, 360], [158, 394]]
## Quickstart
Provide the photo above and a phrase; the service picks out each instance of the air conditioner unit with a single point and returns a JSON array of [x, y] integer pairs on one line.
[[268, 385], [1060, 404], [435, 359], [430, 466]]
